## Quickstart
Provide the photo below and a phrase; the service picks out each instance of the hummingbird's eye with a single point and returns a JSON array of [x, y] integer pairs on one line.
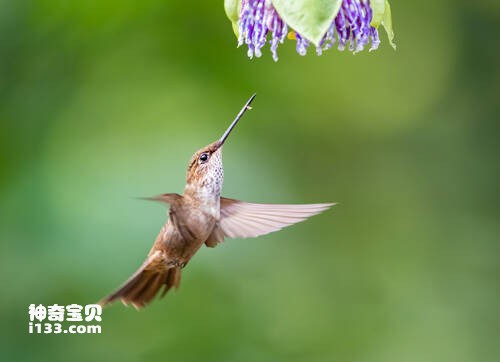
[[204, 157]]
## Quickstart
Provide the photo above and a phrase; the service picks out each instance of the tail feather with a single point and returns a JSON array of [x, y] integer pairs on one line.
[[140, 289], [173, 280], [156, 283]]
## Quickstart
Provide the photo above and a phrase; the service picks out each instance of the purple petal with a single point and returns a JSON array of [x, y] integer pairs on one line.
[[351, 27]]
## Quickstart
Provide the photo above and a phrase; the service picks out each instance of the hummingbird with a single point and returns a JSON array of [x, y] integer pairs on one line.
[[200, 216]]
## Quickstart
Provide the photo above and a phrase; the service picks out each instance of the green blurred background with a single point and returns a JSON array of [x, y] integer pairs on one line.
[[103, 101]]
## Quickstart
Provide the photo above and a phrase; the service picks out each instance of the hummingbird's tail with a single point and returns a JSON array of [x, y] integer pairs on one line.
[[145, 283]]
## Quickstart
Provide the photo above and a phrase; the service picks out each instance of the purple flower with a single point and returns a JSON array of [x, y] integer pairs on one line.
[[351, 28]]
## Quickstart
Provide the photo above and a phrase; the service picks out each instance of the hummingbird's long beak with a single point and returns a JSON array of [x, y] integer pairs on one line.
[[230, 128]]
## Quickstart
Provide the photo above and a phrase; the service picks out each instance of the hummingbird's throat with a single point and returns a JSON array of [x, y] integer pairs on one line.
[[207, 186], [206, 191]]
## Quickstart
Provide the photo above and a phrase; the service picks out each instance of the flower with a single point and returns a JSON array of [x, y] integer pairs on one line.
[[257, 19], [351, 28]]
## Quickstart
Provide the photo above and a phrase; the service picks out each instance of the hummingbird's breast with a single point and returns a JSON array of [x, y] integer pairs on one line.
[[204, 207], [190, 225]]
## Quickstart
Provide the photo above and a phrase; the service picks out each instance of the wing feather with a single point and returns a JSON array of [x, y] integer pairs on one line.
[[241, 219]]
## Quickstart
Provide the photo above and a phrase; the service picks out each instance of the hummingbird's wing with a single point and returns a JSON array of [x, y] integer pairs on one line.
[[240, 219], [166, 198]]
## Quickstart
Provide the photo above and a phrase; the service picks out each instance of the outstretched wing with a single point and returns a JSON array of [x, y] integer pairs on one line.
[[171, 199], [240, 219]]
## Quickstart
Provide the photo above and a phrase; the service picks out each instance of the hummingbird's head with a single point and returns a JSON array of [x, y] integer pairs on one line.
[[205, 168], [205, 171]]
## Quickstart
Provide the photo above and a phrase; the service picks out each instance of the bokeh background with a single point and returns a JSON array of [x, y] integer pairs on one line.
[[101, 102]]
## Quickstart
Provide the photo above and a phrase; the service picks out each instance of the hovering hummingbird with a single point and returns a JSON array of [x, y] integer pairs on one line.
[[201, 216]]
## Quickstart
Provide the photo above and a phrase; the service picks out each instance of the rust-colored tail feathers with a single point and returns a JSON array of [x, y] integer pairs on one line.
[[146, 282]]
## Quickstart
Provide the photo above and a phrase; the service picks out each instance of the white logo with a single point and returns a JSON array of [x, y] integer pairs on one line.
[[59, 313]]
